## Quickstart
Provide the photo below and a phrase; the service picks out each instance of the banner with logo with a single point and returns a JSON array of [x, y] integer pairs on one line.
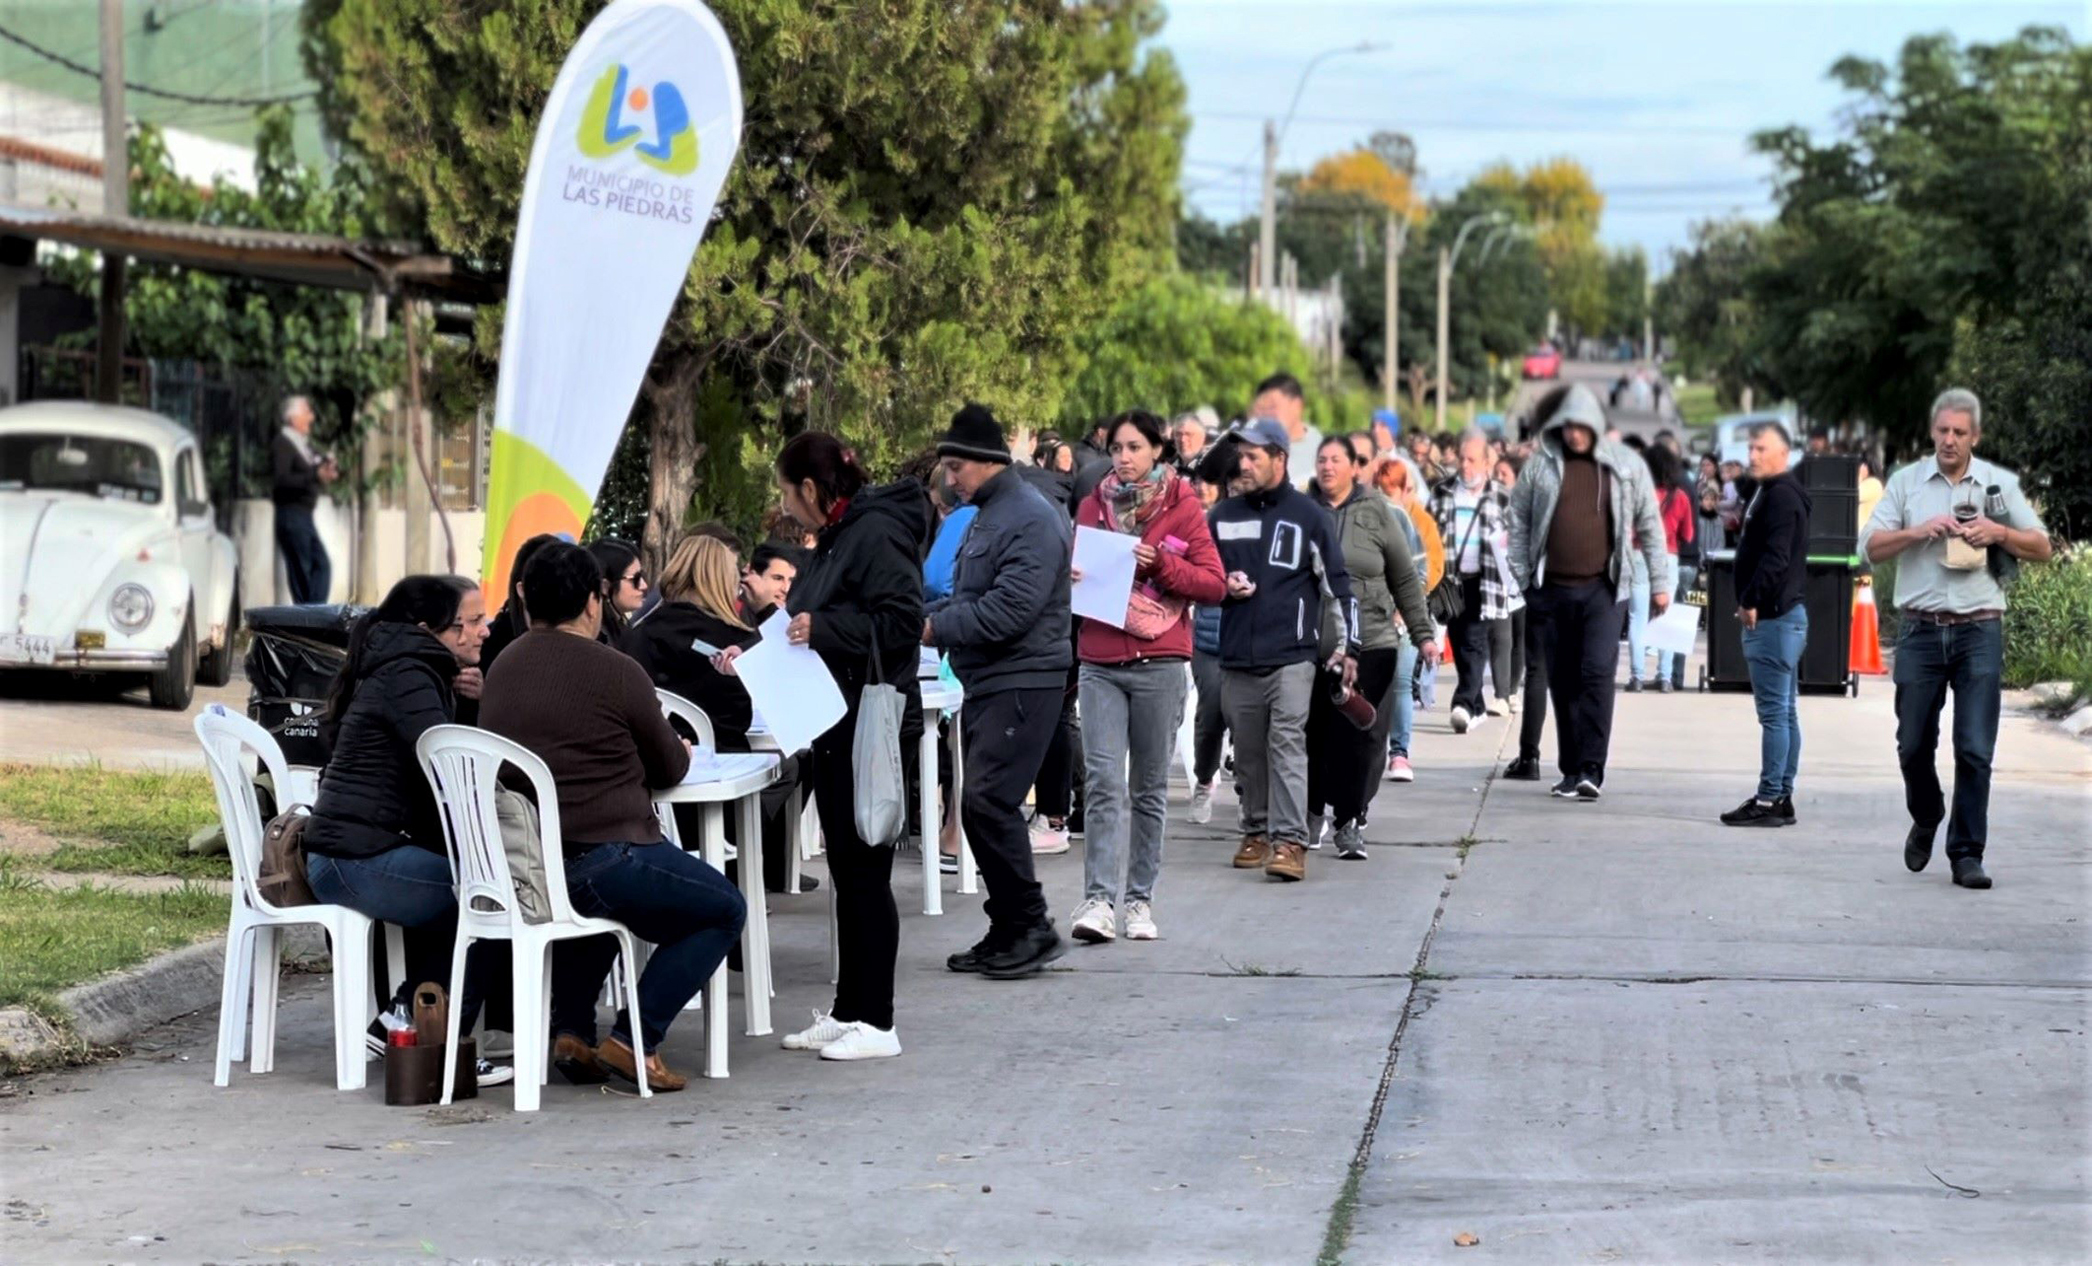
[[631, 151]]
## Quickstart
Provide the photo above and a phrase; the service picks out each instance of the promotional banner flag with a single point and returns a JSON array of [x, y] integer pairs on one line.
[[635, 142]]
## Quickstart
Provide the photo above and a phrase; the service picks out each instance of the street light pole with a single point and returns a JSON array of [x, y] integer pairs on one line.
[[1446, 260], [1274, 133], [116, 200], [1397, 237]]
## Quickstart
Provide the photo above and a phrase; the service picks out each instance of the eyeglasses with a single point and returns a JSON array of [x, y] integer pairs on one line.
[[637, 580]]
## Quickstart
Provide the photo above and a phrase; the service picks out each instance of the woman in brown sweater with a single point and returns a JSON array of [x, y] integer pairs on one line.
[[590, 714]]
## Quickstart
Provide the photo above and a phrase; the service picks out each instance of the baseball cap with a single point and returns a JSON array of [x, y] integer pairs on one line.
[[1264, 433]]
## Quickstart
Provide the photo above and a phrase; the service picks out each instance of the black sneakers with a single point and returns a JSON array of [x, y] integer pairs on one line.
[[1524, 769], [988, 946], [1589, 787], [1026, 955], [1565, 789], [1786, 808], [1917, 847], [1968, 873], [1754, 812]]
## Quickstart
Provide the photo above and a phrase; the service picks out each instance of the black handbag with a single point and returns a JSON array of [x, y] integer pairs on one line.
[[1448, 601]]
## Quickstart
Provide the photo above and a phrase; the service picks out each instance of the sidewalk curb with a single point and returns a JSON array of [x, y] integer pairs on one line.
[[117, 1008]]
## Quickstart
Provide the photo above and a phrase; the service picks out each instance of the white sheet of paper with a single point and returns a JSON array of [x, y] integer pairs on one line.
[[1105, 560], [1674, 630], [790, 687], [718, 766]]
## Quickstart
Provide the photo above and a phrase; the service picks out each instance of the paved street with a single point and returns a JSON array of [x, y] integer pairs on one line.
[[1581, 1034], [55, 718]]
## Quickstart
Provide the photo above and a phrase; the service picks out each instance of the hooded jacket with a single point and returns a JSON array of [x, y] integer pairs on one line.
[[1289, 548], [1634, 513], [373, 797], [1194, 575], [1383, 572], [865, 582], [665, 643], [1005, 627]]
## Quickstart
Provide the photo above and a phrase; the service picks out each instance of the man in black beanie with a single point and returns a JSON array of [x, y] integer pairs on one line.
[[1005, 628]]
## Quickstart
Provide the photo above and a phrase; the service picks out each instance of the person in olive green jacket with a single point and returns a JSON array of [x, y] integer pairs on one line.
[[1344, 762]]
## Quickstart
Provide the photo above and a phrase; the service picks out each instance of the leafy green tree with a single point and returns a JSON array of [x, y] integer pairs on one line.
[[1703, 303], [1626, 293], [1945, 234], [1177, 343], [294, 338], [930, 203]]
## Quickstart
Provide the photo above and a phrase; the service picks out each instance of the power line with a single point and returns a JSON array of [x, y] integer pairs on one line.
[[147, 89]]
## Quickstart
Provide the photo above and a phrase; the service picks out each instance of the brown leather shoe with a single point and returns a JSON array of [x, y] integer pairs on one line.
[[576, 1061], [617, 1057], [1288, 862], [1255, 851]]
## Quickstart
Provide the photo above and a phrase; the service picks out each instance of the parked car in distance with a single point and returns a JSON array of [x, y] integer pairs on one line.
[[1544, 361], [111, 561]]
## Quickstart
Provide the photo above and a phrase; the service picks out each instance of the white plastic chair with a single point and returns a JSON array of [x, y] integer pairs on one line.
[[253, 937], [463, 766]]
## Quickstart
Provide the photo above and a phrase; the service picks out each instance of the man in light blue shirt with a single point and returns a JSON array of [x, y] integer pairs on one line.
[[1954, 525]]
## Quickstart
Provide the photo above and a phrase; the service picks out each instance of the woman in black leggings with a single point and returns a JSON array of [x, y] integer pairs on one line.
[[861, 595]]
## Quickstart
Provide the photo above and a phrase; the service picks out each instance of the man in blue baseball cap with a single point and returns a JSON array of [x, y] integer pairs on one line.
[[1279, 551]]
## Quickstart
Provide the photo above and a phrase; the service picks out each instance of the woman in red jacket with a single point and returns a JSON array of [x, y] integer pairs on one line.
[[1133, 678]]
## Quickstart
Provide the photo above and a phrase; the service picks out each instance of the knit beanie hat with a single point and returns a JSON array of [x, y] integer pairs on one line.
[[974, 435]]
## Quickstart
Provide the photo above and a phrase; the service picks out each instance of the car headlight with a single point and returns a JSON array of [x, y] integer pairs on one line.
[[131, 607]]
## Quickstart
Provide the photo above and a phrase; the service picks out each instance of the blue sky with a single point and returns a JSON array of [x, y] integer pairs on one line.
[[1658, 100]]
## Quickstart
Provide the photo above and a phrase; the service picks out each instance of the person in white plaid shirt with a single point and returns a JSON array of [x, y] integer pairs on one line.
[[1473, 519]]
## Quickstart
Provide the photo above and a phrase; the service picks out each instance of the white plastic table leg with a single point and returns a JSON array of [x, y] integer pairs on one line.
[[795, 837], [755, 936], [714, 996], [930, 825]]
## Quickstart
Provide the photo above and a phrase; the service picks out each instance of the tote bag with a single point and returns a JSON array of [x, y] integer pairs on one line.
[[880, 794]]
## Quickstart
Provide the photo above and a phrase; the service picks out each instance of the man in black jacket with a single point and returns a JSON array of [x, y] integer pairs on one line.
[[297, 476], [1771, 577], [1005, 629]]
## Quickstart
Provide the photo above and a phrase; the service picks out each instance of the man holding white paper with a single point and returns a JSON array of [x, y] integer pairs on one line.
[[1005, 629]]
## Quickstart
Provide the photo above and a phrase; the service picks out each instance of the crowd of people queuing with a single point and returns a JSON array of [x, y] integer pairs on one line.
[[1292, 592]]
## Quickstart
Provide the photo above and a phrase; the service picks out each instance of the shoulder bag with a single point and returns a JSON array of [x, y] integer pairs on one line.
[[1447, 602], [880, 792]]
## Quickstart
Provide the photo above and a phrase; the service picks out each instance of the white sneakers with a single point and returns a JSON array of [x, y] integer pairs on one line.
[[1461, 719], [1495, 707], [1094, 922], [1398, 770], [862, 1041], [1048, 839], [1202, 804], [838, 1040]]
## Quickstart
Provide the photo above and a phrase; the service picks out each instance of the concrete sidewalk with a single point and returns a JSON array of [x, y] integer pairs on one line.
[[1606, 1033]]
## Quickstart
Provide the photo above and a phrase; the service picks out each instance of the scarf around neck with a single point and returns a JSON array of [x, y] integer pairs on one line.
[[1130, 507]]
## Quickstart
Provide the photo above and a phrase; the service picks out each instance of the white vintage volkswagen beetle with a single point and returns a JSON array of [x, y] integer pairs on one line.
[[110, 560]]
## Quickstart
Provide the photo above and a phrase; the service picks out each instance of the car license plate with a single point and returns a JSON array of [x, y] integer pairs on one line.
[[24, 648]]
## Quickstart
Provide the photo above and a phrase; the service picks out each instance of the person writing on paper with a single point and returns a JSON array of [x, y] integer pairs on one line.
[[590, 714], [1772, 575], [1006, 631], [860, 592], [681, 644], [1344, 762], [1133, 675], [1281, 553]]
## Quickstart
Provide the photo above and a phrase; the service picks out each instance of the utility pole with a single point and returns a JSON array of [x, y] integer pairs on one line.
[[116, 200], [1445, 277], [1267, 231], [1392, 360]]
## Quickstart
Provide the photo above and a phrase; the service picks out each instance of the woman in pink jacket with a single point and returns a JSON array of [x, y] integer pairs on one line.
[[1133, 678]]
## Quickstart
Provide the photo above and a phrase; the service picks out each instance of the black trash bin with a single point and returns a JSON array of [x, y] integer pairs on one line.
[[1825, 661], [292, 659]]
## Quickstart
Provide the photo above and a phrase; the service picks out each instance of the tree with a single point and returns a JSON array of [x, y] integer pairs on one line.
[[927, 207], [1365, 175], [1703, 304], [1175, 344], [1561, 202], [1944, 235], [1626, 293], [290, 338]]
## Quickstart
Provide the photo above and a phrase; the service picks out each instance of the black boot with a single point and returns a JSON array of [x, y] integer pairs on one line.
[[1524, 769], [1917, 847], [1968, 873]]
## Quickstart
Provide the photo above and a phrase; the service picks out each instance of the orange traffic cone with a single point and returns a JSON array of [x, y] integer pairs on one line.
[[1866, 630]]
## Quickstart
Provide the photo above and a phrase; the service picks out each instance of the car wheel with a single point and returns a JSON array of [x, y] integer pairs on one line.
[[175, 685], [215, 668]]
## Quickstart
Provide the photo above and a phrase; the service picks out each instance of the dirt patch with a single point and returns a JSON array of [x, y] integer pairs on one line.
[[20, 840]]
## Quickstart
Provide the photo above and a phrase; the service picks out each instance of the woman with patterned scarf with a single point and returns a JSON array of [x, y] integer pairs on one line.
[[1133, 677]]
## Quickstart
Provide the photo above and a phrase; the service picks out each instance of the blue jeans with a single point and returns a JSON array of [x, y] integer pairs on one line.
[[665, 895], [1671, 663], [1402, 696], [1772, 651], [1637, 617], [1932, 659], [410, 887], [1130, 715]]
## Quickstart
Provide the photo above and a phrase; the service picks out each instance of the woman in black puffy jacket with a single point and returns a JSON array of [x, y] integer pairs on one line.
[[375, 843]]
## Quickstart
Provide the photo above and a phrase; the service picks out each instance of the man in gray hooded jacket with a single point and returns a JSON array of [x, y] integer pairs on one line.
[[1579, 511]]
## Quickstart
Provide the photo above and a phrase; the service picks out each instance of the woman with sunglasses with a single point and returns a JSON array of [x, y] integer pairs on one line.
[[624, 587]]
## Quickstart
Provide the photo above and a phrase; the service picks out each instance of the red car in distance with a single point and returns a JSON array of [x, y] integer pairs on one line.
[[1544, 361]]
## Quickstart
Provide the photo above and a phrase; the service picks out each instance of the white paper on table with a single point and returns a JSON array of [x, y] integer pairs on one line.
[[709, 766], [790, 686], [1105, 560], [1675, 630]]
